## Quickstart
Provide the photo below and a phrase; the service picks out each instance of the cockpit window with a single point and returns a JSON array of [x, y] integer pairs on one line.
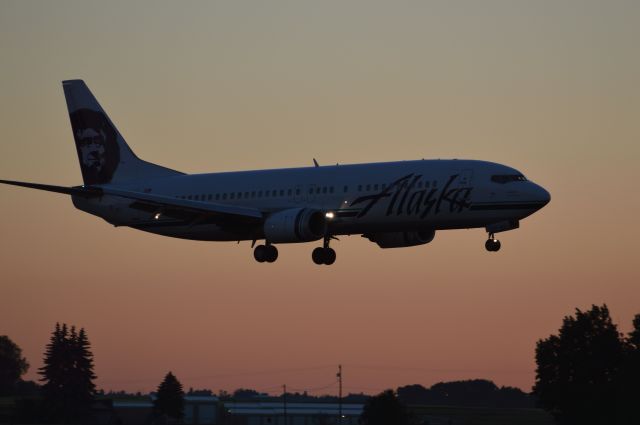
[[506, 178]]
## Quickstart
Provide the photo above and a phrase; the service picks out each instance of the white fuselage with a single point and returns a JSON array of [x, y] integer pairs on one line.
[[364, 198]]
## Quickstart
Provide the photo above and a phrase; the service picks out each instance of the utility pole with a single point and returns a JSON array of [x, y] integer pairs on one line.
[[339, 375], [284, 403]]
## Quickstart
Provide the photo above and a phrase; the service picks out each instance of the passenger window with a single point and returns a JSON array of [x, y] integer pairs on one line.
[[224, 196], [259, 194], [317, 190], [375, 187], [384, 186], [281, 192], [253, 194], [297, 191], [346, 189], [274, 193], [232, 195], [266, 193], [331, 189], [368, 187], [217, 196], [324, 190], [359, 188], [310, 191], [290, 192], [246, 195]]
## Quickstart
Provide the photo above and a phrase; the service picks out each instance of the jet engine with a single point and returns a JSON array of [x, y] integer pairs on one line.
[[294, 225], [401, 239]]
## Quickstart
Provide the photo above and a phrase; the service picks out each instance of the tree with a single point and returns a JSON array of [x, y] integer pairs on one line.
[[473, 392], [68, 376], [629, 391], [82, 375], [578, 370], [170, 398], [12, 365], [384, 409]]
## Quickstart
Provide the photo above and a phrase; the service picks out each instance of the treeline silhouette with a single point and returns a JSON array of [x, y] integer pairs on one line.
[[588, 374], [469, 393]]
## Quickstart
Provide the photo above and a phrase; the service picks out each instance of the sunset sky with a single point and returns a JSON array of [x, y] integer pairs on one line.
[[550, 88]]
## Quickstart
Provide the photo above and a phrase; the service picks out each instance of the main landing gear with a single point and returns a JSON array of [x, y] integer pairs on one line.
[[268, 253], [324, 254], [492, 244]]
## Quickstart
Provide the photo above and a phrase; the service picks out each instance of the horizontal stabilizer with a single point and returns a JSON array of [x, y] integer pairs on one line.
[[77, 190]]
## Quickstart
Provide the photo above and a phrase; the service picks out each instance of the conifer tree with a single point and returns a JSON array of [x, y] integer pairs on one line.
[[170, 398], [84, 366], [68, 376]]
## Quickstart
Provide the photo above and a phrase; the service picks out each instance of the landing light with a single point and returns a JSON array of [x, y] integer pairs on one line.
[[330, 215], [157, 216]]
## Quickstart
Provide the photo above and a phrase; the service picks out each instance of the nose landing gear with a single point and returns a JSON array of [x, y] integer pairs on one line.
[[492, 244], [268, 253]]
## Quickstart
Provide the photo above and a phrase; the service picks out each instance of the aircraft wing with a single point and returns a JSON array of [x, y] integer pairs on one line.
[[165, 205], [176, 207]]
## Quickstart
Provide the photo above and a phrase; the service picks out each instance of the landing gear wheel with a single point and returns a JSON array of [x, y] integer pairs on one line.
[[325, 256], [318, 255], [272, 253], [260, 253], [492, 245], [329, 256]]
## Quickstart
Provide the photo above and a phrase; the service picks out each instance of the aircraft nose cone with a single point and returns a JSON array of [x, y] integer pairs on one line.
[[542, 195]]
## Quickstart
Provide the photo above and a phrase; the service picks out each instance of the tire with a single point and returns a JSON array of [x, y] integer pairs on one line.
[[492, 245], [272, 253], [318, 255], [489, 245], [260, 253], [329, 256]]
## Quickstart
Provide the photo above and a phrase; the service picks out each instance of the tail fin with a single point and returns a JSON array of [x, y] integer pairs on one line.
[[103, 153]]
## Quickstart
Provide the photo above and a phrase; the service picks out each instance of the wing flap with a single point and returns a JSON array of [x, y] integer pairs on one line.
[[176, 207]]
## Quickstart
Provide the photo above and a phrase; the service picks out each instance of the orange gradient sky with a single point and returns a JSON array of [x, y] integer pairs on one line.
[[551, 88]]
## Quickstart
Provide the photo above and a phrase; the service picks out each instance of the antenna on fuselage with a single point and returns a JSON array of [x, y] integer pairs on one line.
[[315, 162]]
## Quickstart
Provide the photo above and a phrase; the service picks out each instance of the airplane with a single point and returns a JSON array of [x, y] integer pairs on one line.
[[393, 204]]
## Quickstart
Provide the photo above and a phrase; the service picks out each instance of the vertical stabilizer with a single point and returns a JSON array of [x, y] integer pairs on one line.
[[103, 153]]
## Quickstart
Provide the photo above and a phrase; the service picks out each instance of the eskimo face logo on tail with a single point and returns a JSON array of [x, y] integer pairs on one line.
[[97, 146]]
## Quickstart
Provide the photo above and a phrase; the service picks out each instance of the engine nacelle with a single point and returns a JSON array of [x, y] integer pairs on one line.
[[401, 239], [294, 225]]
